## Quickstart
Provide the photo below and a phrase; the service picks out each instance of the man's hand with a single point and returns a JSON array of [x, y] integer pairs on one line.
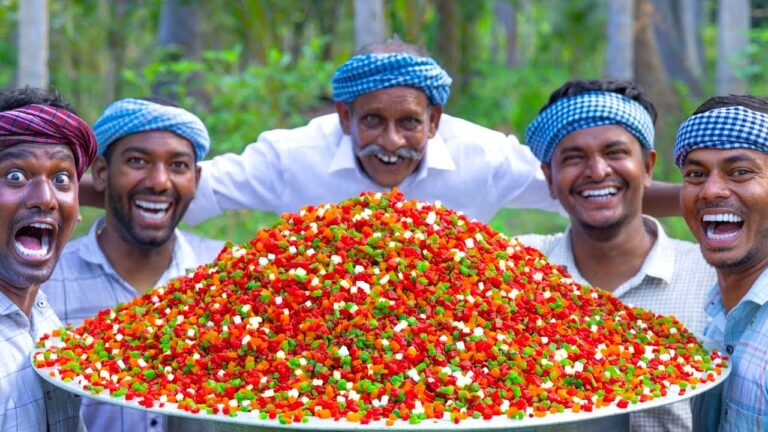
[[89, 196], [662, 199]]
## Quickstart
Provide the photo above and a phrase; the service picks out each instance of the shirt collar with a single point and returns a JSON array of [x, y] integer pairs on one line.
[[7, 307], [90, 250], [437, 157], [659, 263], [758, 292]]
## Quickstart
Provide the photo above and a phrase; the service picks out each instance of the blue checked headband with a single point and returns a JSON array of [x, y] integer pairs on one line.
[[587, 110], [365, 73], [128, 116], [723, 128]]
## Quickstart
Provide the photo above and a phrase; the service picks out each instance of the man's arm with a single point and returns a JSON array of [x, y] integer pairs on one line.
[[662, 199], [88, 195]]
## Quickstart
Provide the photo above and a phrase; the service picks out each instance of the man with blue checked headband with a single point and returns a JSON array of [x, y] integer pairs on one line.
[[722, 152], [389, 130], [595, 141], [147, 168]]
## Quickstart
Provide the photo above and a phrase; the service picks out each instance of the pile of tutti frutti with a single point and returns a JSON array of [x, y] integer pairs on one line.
[[379, 308]]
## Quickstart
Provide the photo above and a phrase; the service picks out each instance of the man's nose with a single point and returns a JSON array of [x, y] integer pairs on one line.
[[158, 178], [393, 138], [599, 168], [42, 195]]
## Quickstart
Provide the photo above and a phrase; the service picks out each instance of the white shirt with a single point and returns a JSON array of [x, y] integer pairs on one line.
[[84, 283], [466, 166], [28, 403], [673, 280]]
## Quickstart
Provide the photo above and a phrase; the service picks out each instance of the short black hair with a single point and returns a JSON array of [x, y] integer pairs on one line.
[[754, 103], [625, 88], [21, 97], [394, 45]]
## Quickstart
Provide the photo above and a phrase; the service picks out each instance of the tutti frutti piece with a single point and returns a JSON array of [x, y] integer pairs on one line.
[[379, 308]]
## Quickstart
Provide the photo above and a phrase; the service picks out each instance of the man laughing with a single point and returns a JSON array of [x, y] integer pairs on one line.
[[722, 151], [595, 139], [148, 171], [44, 151]]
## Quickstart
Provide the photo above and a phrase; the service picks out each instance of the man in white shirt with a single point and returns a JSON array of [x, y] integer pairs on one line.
[[44, 150], [389, 131], [147, 167], [595, 143]]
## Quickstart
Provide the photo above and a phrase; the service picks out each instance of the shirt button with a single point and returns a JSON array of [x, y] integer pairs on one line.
[[729, 349], [153, 422], [42, 303]]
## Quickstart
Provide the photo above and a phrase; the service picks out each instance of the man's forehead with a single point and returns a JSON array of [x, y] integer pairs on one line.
[[720, 155], [25, 151], [154, 141], [392, 95]]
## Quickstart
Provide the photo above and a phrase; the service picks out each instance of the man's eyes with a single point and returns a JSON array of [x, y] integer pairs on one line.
[[15, 176]]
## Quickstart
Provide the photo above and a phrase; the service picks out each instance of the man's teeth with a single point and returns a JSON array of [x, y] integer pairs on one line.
[[153, 205], [722, 217], [152, 210], [711, 233], [599, 192], [152, 215], [42, 226], [45, 243], [390, 159]]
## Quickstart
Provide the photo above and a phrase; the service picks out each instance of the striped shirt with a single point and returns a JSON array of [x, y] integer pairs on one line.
[[29, 403], [84, 283], [743, 332], [673, 280]]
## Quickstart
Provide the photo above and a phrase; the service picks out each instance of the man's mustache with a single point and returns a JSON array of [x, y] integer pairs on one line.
[[402, 152]]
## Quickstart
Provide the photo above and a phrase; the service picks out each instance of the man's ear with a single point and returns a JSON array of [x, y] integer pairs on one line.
[[198, 172], [649, 162], [99, 171], [345, 114], [434, 119], [547, 170]]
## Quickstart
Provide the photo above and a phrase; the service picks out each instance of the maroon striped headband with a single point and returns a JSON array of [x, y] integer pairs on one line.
[[45, 124]]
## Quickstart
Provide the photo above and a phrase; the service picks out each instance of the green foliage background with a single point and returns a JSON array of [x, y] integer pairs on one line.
[[268, 64]]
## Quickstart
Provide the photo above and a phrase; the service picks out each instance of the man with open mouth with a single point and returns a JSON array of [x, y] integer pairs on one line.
[[44, 150], [147, 169], [595, 141], [389, 130], [722, 152]]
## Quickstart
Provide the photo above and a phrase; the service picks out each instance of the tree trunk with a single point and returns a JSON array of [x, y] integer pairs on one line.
[[33, 44], [179, 36], [651, 75], [732, 40], [116, 11], [369, 22], [447, 43], [506, 18], [619, 54], [667, 19], [691, 23]]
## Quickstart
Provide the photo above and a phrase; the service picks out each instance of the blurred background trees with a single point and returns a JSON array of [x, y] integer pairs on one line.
[[246, 66]]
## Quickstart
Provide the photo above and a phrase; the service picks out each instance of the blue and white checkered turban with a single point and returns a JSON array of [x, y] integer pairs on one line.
[[128, 116], [586, 110], [365, 73], [722, 128]]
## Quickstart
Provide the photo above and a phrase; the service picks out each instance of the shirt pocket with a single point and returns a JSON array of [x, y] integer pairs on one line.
[[735, 419]]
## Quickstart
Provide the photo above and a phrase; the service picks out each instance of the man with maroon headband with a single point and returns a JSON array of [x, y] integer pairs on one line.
[[44, 150]]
